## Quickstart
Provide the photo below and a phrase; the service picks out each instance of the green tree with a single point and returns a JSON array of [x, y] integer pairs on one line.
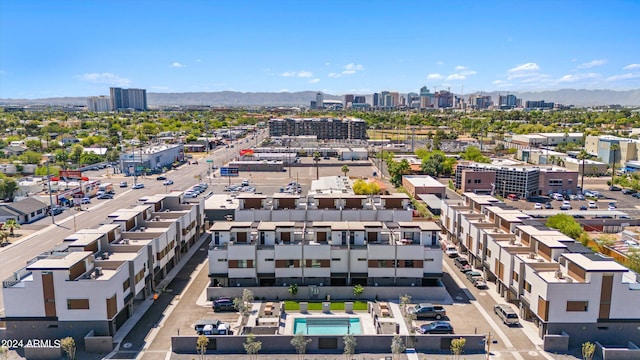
[[397, 170], [252, 346], [472, 153], [358, 290], [397, 346], [201, 346], [76, 153], [457, 345], [362, 187], [588, 349], [565, 224], [344, 169], [293, 289], [69, 346], [633, 259], [300, 342], [349, 346], [30, 157], [8, 188], [11, 224]]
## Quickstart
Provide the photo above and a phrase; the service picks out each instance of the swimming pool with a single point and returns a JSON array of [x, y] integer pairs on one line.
[[327, 326]]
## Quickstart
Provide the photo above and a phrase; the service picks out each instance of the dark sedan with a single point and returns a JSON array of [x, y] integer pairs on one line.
[[436, 327]]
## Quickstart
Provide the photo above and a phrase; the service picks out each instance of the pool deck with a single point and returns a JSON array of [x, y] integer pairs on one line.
[[366, 321]]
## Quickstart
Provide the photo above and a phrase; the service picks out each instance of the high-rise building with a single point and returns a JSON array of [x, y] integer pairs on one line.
[[426, 98], [376, 99], [480, 101], [444, 99], [99, 103], [359, 99], [128, 99], [324, 128], [507, 101], [413, 100], [348, 100], [319, 101]]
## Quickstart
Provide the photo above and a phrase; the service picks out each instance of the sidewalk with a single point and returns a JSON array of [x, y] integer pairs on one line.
[[142, 308]]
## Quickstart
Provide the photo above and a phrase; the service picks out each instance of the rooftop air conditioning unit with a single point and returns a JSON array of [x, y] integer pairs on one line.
[[532, 255], [97, 271], [569, 280], [105, 255], [559, 274]]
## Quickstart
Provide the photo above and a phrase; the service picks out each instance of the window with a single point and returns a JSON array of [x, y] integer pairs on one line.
[[362, 259], [78, 304], [337, 259], [268, 259], [222, 260], [125, 285], [408, 263], [527, 286], [514, 276], [139, 276], [488, 253], [243, 264], [428, 259], [477, 181], [577, 305], [289, 263], [315, 263]]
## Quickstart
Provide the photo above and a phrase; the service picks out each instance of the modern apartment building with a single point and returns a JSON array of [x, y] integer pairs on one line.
[[520, 180], [128, 99], [557, 283], [99, 103], [325, 253], [89, 283], [323, 128]]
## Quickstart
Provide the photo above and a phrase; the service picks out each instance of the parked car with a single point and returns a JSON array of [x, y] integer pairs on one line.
[[471, 275], [451, 251], [506, 314], [436, 327], [199, 326], [138, 186], [462, 264], [548, 206], [629, 191], [480, 283], [57, 210], [580, 197], [167, 182], [123, 184], [104, 196], [537, 206], [583, 207], [85, 200], [615, 188], [161, 177], [636, 195], [428, 310], [223, 304], [592, 205]]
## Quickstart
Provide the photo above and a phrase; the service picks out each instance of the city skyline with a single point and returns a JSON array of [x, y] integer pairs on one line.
[[328, 46]]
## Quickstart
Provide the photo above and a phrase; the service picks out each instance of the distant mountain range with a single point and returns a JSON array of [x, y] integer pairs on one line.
[[303, 98]]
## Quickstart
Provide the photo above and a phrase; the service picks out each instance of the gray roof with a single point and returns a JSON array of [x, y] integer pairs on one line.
[[26, 206]]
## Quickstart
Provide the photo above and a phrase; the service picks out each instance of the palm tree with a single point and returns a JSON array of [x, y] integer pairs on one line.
[[582, 155], [316, 158], [344, 169], [614, 149], [11, 224]]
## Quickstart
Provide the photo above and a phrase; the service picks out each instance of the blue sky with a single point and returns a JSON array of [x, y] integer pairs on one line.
[[60, 48]]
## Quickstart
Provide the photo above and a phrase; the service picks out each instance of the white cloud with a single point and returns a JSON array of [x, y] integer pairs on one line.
[[624, 76], [592, 63], [435, 76], [468, 72], [301, 74], [578, 77], [177, 65], [348, 72], [314, 81], [632, 67], [456, 77], [524, 68], [334, 75], [439, 62], [501, 83], [460, 68], [353, 67], [104, 78]]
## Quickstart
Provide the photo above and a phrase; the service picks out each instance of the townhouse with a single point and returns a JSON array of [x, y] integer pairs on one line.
[[560, 285], [94, 279], [325, 253], [324, 207]]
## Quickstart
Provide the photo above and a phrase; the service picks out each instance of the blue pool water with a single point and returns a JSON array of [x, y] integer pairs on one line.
[[327, 326]]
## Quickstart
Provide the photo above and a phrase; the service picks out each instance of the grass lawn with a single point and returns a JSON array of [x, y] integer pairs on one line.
[[317, 305]]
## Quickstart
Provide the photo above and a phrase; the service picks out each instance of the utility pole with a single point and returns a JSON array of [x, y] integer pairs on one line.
[[53, 217]]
